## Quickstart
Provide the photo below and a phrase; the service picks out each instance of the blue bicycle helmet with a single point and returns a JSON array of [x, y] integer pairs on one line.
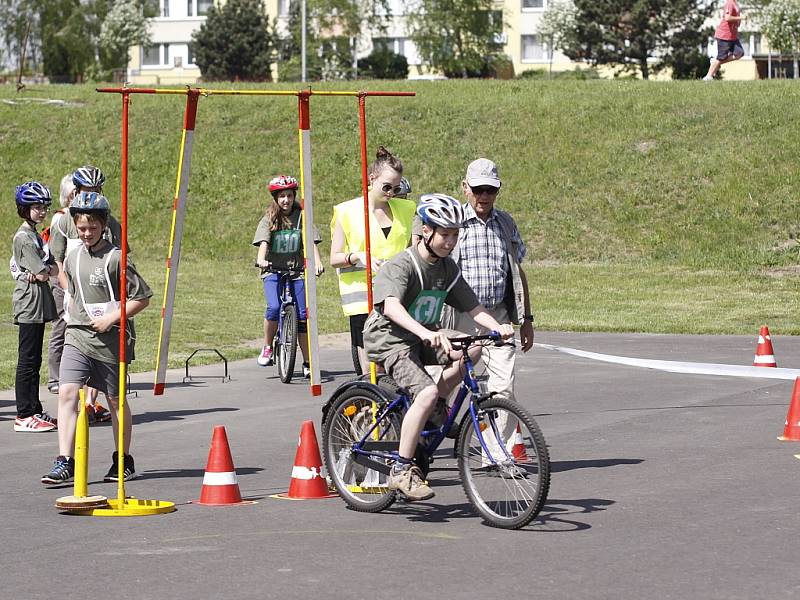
[[32, 192], [405, 187], [88, 176], [89, 203]]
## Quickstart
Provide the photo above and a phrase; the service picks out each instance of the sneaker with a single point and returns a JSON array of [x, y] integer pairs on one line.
[[306, 371], [53, 388], [265, 358], [33, 424], [44, 416], [63, 471], [129, 471], [98, 413], [410, 483], [707, 78]]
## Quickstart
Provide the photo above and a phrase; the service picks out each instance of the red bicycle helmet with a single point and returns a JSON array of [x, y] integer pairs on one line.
[[282, 182]]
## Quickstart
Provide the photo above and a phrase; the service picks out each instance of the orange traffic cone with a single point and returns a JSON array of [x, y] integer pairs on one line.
[[518, 451], [220, 486], [765, 357], [307, 480], [791, 429]]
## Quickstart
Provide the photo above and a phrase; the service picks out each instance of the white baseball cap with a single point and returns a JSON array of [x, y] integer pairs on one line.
[[482, 172]]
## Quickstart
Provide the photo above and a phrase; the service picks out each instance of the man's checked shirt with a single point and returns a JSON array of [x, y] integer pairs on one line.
[[482, 256]]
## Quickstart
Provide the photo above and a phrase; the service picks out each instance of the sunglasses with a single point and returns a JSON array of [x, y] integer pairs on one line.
[[388, 187], [484, 189]]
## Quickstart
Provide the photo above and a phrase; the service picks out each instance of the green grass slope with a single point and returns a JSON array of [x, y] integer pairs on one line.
[[647, 206]]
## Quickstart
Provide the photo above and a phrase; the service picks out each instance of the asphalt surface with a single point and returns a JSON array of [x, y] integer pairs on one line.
[[664, 486]]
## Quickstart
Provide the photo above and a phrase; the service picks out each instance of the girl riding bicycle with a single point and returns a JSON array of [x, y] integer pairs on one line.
[[401, 332], [279, 238]]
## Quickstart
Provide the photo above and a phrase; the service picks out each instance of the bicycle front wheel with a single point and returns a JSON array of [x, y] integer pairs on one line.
[[287, 344], [506, 478], [349, 419]]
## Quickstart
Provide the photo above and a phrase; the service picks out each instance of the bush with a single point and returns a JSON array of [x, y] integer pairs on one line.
[[383, 64]]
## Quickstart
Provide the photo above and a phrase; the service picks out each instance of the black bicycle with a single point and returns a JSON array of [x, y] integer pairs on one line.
[[502, 455]]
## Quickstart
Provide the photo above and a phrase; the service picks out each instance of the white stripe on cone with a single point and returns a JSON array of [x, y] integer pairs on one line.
[[220, 478], [305, 473], [764, 359]]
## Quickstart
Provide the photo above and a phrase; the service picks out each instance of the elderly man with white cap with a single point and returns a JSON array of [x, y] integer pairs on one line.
[[490, 252]]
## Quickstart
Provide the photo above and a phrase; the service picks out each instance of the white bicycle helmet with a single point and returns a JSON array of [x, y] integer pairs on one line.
[[88, 176], [440, 210]]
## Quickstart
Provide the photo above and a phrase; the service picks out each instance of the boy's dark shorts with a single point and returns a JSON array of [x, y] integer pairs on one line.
[[727, 47], [407, 367], [78, 368]]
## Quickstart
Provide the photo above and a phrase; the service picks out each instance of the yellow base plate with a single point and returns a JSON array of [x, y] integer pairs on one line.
[[130, 507]]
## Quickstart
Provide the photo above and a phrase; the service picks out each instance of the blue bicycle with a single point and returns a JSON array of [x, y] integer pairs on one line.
[[284, 348], [502, 455]]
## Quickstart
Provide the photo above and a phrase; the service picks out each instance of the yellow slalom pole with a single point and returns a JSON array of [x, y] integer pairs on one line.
[[81, 488]]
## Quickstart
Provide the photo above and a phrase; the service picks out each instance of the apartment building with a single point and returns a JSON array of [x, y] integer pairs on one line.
[[169, 59]]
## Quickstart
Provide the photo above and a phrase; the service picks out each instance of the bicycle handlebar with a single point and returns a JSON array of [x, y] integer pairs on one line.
[[468, 340], [290, 272]]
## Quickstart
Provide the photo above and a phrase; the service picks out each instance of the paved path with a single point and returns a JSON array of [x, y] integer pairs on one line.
[[664, 486]]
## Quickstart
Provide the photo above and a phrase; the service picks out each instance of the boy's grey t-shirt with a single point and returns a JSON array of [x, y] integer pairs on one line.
[[31, 302], [65, 229], [100, 346], [398, 277], [284, 253]]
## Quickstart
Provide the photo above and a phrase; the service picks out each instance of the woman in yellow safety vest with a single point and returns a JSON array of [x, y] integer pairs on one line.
[[390, 232]]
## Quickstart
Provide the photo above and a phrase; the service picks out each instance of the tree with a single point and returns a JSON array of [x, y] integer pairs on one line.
[[68, 39], [18, 18], [125, 25], [235, 42], [780, 22], [383, 64], [457, 37], [630, 34], [557, 25]]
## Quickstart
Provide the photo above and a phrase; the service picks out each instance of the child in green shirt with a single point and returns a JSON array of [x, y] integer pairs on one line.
[[32, 303], [401, 332]]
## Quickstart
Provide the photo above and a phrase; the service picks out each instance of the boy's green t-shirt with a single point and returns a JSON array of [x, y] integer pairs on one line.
[[94, 283], [399, 278], [31, 301]]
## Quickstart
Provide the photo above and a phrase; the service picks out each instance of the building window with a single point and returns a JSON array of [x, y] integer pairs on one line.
[[532, 4], [532, 48], [755, 41], [190, 55], [198, 8], [283, 8], [151, 55], [396, 45], [163, 8]]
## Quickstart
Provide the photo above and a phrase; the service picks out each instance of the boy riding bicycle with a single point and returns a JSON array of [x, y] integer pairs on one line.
[[401, 332]]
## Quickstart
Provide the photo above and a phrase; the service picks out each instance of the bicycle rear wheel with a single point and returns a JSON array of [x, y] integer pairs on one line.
[[362, 488], [510, 490], [287, 344]]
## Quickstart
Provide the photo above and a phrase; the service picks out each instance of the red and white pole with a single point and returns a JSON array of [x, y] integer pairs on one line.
[[175, 239], [307, 203]]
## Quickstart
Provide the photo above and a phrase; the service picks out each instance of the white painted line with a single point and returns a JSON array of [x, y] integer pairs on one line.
[[672, 366]]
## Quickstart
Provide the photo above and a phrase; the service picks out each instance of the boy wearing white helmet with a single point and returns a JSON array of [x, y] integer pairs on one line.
[[91, 344], [409, 293]]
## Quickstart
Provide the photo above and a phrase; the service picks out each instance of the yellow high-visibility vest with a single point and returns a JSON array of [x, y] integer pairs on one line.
[[350, 214]]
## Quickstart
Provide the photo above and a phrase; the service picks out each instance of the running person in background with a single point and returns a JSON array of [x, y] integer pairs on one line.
[[729, 47], [32, 304], [279, 238], [402, 330], [390, 233], [91, 345], [63, 239]]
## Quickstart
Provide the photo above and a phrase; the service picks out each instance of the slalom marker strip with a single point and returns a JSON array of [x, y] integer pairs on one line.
[[307, 202], [672, 366], [175, 241]]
